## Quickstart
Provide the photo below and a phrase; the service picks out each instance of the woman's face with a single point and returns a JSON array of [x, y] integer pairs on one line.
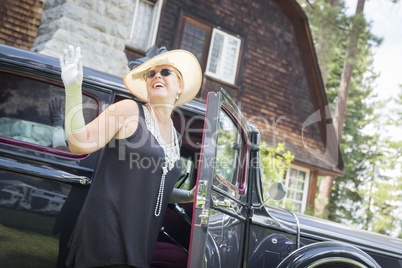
[[163, 84]]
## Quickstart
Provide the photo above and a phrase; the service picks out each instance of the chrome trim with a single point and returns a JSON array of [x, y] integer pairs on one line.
[[81, 179], [220, 191], [42, 172], [298, 229], [336, 259]]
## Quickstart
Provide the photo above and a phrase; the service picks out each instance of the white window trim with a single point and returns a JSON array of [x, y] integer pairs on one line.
[[306, 186], [218, 76], [156, 14]]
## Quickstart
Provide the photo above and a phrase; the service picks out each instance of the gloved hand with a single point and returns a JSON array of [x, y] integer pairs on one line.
[[72, 76], [57, 120], [71, 68], [182, 196], [56, 113]]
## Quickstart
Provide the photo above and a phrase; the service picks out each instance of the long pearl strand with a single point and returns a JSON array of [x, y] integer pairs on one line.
[[172, 154]]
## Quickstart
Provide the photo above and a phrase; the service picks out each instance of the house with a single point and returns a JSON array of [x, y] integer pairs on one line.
[[261, 52]]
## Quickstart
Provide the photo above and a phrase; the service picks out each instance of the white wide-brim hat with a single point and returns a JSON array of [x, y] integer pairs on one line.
[[185, 62]]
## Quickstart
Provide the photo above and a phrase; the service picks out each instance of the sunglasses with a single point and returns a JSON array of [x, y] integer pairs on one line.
[[163, 72]]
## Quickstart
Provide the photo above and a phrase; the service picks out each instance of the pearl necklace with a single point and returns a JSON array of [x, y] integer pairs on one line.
[[171, 153]]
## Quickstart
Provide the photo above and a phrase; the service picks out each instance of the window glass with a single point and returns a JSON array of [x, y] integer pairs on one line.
[[228, 153], [297, 189], [223, 56], [184, 182], [216, 52], [145, 19], [30, 111], [195, 38]]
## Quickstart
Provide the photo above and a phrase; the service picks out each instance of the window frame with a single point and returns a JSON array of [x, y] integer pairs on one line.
[[208, 48], [186, 19], [305, 188], [218, 75], [240, 188], [153, 31], [38, 147]]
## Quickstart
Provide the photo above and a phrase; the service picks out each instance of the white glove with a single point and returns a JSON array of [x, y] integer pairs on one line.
[[72, 76]]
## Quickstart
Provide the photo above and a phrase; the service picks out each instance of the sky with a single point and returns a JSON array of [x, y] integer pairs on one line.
[[386, 22]]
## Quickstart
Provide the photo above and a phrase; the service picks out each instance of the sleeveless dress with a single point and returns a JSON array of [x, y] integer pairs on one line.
[[117, 224]]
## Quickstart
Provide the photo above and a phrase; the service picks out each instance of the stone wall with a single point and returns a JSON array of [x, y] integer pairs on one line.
[[99, 27]]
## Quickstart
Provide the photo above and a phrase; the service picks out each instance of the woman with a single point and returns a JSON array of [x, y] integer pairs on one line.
[[122, 215]]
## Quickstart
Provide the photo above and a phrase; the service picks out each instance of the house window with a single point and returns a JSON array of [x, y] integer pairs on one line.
[[144, 24], [195, 38], [218, 56], [297, 182], [223, 56]]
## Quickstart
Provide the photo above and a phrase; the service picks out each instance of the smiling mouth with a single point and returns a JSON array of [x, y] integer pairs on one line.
[[158, 85]]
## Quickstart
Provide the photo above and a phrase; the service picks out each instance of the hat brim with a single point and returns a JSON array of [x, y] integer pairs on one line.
[[182, 60]]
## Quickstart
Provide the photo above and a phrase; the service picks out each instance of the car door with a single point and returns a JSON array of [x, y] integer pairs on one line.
[[220, 208], [42, 184]]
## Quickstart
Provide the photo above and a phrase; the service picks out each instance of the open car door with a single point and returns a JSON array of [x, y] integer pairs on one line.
[[220, 208]]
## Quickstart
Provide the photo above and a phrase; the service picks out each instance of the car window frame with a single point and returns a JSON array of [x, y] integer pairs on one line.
[[38, 147], [235, 116]]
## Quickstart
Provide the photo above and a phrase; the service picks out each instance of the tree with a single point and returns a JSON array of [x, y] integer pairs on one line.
[[358, 26], [347, 194], [367, 196], [328, 24], [393, 152]]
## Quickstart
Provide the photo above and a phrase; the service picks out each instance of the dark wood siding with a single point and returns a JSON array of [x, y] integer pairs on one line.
[[273, 85], [19, 22]]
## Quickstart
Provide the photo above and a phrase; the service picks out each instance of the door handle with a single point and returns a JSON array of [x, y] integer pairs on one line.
[[42, 172], [225, 204], [200, 202], [201, 194], [81, 179], [204, 216]]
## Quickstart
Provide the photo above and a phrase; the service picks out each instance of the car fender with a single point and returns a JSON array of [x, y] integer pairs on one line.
[[326, 253]]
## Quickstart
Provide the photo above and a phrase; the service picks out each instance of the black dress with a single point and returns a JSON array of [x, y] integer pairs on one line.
[[117, 224]]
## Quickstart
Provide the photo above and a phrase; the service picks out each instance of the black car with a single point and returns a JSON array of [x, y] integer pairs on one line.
[[43, 185]]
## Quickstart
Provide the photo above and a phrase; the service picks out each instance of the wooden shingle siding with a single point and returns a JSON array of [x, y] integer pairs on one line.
[[19, 22], [272, 85]]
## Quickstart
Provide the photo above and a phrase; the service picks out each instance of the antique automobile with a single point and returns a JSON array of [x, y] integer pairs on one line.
[[43, 186]]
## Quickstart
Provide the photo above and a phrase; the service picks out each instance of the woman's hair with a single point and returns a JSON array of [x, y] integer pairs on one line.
[[178, 73]]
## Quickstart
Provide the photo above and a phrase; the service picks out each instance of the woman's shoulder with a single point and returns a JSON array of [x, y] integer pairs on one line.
[[128, 106], [128, 102], [130, 111]]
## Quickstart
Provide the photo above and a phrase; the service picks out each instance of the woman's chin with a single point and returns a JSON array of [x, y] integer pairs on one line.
[[161, 100]]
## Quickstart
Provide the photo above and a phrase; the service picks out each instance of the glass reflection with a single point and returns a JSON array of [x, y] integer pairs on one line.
[[228, 150]]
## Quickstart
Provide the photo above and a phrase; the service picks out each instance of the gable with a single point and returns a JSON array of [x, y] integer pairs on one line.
[[278, 84]]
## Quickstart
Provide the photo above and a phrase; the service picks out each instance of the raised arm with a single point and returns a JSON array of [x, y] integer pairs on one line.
[[72, 75], [85, 139]]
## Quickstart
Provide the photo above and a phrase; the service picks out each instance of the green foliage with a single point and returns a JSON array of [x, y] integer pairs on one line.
[[275, 162], [328, 25]]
